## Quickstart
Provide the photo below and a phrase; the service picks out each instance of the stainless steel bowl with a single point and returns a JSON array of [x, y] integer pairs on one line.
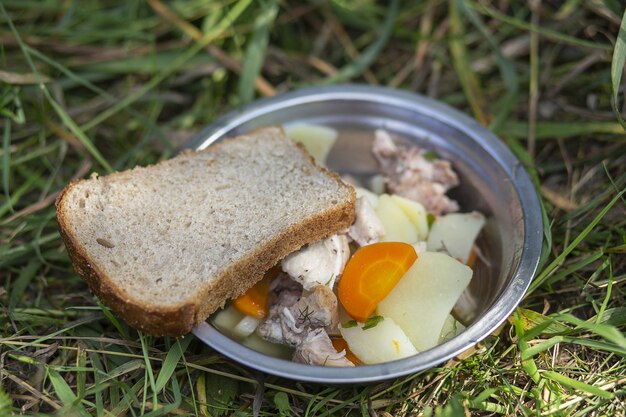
[[492, 181]]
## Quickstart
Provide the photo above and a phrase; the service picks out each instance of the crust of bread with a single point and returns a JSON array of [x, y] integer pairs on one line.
[[235, 280]]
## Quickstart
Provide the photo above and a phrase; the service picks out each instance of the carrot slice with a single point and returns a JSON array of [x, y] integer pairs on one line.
[[471, 260], [254, 301], [371, 274], [339, 343]]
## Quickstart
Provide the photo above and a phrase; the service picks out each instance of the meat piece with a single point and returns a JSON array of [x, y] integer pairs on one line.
[[317, 309], [279, 323], [319, 263], [317, 349], [384, 149], [410, 174], [290, 320], [284, 290], [367, 228]]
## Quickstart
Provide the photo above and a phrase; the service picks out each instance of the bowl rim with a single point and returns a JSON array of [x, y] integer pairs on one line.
[[504, 305]]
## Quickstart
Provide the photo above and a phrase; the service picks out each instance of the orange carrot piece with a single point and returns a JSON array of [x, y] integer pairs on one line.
[[339, 343], [371, 274], [254, 301], [471, 260]]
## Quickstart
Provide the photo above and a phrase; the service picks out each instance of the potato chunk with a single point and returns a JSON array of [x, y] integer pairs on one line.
[[317, 139], [382, 343], [398, 227], [425, 296], [416, 214], [455, 233]]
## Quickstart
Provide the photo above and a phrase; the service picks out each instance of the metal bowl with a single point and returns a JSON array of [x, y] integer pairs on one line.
[[492, 181]]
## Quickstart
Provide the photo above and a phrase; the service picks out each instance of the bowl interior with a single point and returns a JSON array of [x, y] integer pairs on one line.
[[492, 182]]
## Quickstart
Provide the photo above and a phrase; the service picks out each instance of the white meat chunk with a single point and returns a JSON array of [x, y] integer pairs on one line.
[[319, 308], [290, 321], [317, 349], [409, 173], [319, 263], [279, 324], [367, 228], [284, 290]]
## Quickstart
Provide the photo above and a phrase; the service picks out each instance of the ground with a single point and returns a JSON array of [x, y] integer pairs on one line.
[[101, 85]]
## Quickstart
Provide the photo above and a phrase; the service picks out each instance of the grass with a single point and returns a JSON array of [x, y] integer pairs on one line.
[[101, 85]]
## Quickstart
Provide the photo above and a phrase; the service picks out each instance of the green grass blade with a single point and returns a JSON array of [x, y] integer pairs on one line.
[[81, 371], [255, 51], [617, 69], [125, 368], [329, 397], [11, 105], [553, 130], [6, 404], [6, 161], [96, 363], [67, 72], [21, 283], [522, 155], [469, 82], [71, 75], [599, 345], [505, 66], [65, 118], [598, 199], [540, 279], [609, 333], [167, 409], [528, 364], [541, 347], [452, 408], [35, 154], [171, 361], [607, 297], [17, 194], [149, 371], [65, 394], [368, 56], [575, 267], [209, 37], [536, 323], [78, 132], [319, 403], [543, 31], [201, 394], [113, 319], [67, 328], [577, 385], [17, 253], [614, 317], [121, 405]]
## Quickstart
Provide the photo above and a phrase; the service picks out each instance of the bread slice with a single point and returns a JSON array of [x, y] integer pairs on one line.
[[166, 245]]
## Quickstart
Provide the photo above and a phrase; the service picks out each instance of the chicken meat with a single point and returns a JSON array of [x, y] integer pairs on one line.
[[318, 349], [292, 317], [319, 263], [411, 174], [276, 327], [367, 228]]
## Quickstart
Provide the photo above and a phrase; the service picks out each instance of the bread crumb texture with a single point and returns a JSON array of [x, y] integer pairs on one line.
[[190, 232]]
